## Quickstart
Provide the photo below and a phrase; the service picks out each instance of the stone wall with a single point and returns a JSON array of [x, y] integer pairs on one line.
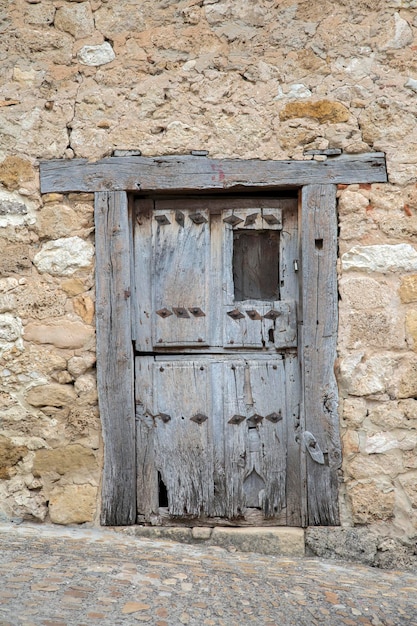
[[239, 78]]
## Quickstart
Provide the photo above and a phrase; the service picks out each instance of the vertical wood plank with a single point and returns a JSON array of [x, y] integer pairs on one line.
[[318, 353], [115, 358], [290, 290]]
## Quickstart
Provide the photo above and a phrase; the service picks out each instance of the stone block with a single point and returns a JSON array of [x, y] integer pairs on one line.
[[407, 378], [411, 326], [383, 441], [354, 411], [15, 171], [15, 258], [73, 286], [378, 329], [201, 533], [39, 300], [84, 307], [61, 333], [408, 288], [55, 221], [409, 484], [65, 256], [362, 375], [10, 332], [76, 19], [72, 504], [78, 365], [10, 455], [96, 55], [363, 293], [64, 460], [263, 540], [350, 544], [365, 466], [389, 415], [352, 202], [53, 394], [381, 258], [371, 501], [323, 111]]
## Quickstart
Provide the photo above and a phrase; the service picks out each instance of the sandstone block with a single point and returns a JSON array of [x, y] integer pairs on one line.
[[362, 376], [381, 258], [15, 258], [354, 411], [96, 55], [77, 19], [84, 307], [411, 325], [63, 257], [10, 332], [53, 394], [39, 300], [384, 441], [363, 293], [323, 111], [407, 377], [10, 455], [7, 284], [401, 34], [15, 210], [350, 442], [73, 286], [78, 365], [409, 484], [65, 460], [390, 415], [14, 171], [378, 329], [365, 466], [408, 288], [371, 501], [55, 221], [352, 202], [72, 504], [61, 333], [40, 14]]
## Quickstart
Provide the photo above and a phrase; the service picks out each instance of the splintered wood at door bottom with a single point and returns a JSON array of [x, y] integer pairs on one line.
[[253, 517], [214, 437]]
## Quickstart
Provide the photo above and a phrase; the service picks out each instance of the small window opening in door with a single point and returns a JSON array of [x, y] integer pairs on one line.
[[256, 265]]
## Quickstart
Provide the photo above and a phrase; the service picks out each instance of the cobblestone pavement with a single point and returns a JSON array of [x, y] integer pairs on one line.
[[57, 576]]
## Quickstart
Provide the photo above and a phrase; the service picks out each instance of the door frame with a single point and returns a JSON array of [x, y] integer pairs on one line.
[[112, 179]]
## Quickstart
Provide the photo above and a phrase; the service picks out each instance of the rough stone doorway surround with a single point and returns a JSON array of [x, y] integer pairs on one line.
[[112, 180]]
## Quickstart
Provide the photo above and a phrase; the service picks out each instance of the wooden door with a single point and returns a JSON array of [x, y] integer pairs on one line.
[[217, 376]]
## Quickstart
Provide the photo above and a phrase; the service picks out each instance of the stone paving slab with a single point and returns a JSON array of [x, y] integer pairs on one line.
[[59, 576]]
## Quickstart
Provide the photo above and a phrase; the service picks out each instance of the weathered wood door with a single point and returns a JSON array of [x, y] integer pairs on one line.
[[217, 369]]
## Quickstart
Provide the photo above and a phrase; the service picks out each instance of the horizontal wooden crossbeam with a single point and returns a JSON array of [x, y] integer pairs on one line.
[[191, 173]]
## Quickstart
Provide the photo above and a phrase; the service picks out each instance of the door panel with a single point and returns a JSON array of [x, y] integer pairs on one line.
[[180, 266], [255, 456], [215, 431]]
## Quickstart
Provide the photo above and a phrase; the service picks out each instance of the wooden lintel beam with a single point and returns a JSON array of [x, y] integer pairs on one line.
[[182, 173]]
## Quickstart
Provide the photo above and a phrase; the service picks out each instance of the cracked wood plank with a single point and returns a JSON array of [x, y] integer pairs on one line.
[[318, 349], [195, 173], [115, 358]]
